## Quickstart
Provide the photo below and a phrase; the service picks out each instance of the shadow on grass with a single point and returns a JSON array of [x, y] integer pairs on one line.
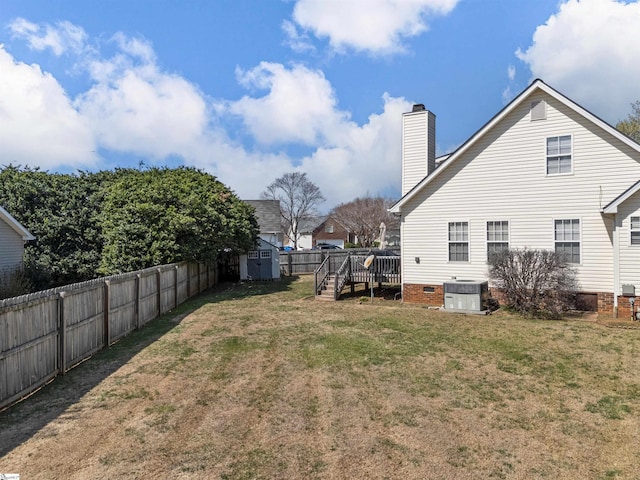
[[25, 419]]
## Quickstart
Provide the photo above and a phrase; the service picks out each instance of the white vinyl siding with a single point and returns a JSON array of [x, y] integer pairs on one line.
[[559, 160], [458, 241], [501, 177], [11, 247], [418, 145], [629, 252], [497, 237], [567, 239]]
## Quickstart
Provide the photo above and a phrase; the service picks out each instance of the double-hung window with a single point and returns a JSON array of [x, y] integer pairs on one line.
[[567, 239], [497, 237], [559, 158], [634, 237], [458, 241]]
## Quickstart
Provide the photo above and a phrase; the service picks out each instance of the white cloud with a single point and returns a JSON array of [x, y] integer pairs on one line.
[[375, 26], [298, 42], [134, 107], [589, 50], [300, 105], [61, 38], [38, 124]]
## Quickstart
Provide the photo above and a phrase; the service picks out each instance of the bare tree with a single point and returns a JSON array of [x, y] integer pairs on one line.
[[299, 198], [363, 217]]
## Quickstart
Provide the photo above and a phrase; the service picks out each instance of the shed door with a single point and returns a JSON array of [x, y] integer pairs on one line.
[[259, 264]]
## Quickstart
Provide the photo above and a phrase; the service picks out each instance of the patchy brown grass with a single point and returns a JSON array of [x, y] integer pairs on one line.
[[261, 381]]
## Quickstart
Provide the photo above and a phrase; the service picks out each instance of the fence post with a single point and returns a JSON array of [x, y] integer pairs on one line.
[[198, 273], [289, 263], [107, 307], [175, 270], [188, 280], [138, 288], [62, 340], [159, 287]]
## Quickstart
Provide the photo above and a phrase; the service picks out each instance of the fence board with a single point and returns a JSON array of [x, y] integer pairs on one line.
[[183, 282], [83, 317], [167, 289], [123, 297], [148, 299]]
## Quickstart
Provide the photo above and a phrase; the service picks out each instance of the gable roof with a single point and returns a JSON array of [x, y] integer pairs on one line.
[[536, 85], [15, 225], [268, 215], [612, 207]]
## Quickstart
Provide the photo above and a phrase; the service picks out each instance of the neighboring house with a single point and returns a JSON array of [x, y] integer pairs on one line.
[[330, 231], [12, 239], [322, 229], [269, 220], [543, 173]]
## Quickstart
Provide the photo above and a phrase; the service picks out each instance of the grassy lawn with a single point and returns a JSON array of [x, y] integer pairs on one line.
[[261, 381]]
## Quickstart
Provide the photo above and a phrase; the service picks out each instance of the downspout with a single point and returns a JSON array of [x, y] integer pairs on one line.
[[616, 264]]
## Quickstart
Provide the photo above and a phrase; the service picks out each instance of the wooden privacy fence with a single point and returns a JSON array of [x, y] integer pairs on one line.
[[47, 333], [306, 261]]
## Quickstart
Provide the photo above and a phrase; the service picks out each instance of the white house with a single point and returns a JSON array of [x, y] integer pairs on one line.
[[543, 173], [12, 239]]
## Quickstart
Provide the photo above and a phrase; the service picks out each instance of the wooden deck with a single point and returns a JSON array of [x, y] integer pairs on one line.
[[330, 278]]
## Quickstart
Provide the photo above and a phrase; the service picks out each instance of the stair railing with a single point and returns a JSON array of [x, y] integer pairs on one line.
[[343, 275], [321, 275]]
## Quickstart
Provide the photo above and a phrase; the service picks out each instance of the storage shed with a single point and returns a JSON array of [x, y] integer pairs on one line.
[[262, 263]]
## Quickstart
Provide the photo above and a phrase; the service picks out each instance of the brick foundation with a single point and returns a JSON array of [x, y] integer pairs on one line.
[[433, 295], [424, 294]]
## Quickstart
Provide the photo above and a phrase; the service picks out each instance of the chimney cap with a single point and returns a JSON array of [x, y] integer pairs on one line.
[[418, 107]]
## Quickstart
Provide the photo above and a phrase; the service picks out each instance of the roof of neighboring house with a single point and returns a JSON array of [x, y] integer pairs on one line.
[[535, 85], [268, 215], [308, 225], [15, 225]]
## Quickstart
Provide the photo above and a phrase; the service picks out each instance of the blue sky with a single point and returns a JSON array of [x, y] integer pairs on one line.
[[250, 89]]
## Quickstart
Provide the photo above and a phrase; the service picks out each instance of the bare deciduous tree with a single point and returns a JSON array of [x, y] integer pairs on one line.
[[363, 217], [299, 198]]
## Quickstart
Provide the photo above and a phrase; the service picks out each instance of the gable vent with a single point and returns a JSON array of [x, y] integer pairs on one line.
[[538, 110]]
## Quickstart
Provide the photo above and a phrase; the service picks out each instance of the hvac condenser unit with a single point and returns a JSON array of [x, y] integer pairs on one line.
[[466, 295]]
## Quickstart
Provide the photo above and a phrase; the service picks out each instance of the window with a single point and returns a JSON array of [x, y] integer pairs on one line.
[[567, 239], [635, 231], [265, 253], [253, 254], [497, 237], [458, 241], [559, 155], [328, 228]]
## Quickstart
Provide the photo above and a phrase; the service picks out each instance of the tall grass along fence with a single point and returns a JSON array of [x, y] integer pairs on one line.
[[307, 261], [45, 334]]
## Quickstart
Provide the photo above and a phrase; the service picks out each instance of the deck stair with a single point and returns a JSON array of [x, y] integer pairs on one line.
[[326, 292]]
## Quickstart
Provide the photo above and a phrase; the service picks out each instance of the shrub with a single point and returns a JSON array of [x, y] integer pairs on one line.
[[13, 282], [535, 283]]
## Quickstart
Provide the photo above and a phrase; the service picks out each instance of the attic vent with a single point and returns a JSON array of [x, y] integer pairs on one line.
[[538, 110]]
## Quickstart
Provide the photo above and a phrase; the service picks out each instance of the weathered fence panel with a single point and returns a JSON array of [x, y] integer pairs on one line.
[[83, 322], [46, 333], [148, 304], [123, 304], [183, 282], [28, 347], [167, 289]]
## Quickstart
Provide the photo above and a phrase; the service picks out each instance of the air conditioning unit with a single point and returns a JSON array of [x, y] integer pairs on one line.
[[466, 295]]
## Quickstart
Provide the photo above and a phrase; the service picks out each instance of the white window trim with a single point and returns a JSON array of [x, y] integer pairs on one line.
[[486, 232], [553, 234], [573, 156], [634, 245], [468, 241]]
